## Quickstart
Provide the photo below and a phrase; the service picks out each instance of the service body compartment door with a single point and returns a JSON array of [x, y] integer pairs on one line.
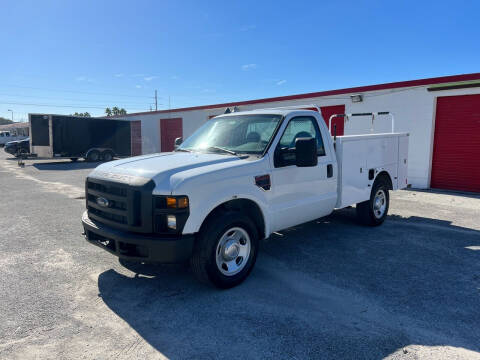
[[352, 172], [402, 180]]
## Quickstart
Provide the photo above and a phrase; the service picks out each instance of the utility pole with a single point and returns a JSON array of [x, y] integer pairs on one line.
[[12, 113], [156, 102]]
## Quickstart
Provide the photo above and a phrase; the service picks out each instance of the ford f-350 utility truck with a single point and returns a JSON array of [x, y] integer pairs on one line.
[[236, 180]]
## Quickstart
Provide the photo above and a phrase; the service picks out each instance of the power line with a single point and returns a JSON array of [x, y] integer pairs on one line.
[[62, 99], [62, 106], [77, 92]]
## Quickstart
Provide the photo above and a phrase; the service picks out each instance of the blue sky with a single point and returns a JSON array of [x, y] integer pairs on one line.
[[85, 55]]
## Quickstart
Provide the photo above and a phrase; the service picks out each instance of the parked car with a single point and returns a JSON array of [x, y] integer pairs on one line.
[[18, 148], [7, 136], [239, 178]]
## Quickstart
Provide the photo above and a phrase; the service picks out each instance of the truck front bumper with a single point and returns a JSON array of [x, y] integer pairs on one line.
[[138, 247]]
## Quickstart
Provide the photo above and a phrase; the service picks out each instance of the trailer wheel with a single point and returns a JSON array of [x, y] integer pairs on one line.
[[93, 156], [225, 250], [374, 211], [107, 155], [21, 153]]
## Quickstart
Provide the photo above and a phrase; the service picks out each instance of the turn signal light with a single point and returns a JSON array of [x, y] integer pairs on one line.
[[171, 203], [182, 202], [177, 202]]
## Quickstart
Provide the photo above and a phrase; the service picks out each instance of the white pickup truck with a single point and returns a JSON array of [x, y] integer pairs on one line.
[[7, 136], [239, 178]]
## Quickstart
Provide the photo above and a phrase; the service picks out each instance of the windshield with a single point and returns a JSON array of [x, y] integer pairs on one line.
[[248, 134]]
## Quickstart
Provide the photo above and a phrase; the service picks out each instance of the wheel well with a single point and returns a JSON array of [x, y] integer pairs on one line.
[[385, 176], [246, 206]]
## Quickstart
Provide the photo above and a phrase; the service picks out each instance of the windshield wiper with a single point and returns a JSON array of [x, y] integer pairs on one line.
[[222, 149], [184, 150]]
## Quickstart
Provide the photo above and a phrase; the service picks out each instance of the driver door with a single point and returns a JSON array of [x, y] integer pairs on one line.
[[301, 194]]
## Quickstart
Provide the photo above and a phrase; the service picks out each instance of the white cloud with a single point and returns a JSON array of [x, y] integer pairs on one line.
[[248, 67], [281, 82], [138, 86], [84, 78], [119, 75], [174, 77], [149, 78], [248, 27]]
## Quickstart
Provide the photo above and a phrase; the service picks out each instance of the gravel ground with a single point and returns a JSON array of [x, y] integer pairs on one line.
[[328, 289]]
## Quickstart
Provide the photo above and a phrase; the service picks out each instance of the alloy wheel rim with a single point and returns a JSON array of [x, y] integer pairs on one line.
[[233, 251]]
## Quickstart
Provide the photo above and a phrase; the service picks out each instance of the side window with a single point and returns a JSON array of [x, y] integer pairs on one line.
[[299, 127]]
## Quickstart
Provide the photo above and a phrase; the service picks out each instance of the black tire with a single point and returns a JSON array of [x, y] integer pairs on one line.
[[93, 156], [107, 155], [204, 259], [74, 159], [368, 212]]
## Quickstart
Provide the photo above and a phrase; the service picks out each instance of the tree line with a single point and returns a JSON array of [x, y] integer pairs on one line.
[[4, 121], [109, 112]]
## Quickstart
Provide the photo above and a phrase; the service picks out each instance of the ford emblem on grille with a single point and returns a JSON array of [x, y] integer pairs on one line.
[[103, 202]]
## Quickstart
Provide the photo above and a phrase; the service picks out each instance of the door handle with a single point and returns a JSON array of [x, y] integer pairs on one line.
[[329, 170]]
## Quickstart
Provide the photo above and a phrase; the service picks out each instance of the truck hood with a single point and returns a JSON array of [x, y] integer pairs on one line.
[[158, 167]]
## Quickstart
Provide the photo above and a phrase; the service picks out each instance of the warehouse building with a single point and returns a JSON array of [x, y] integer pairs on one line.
[[17, 128], [441, 114]]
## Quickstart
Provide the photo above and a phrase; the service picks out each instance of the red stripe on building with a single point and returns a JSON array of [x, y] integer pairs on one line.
[[386, 86]]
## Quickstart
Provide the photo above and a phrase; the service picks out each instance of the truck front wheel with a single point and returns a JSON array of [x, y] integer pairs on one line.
[[374, 211], [225, 250]]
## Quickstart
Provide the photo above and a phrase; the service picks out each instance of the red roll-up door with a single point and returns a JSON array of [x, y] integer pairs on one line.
[[456, 147], [328, 111], [136, 137], [170, 129]]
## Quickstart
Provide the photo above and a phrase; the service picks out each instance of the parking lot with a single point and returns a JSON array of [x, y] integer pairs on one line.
[[328, 289]]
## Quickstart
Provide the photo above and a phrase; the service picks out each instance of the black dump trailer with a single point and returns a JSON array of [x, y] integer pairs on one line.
[[95, 139]]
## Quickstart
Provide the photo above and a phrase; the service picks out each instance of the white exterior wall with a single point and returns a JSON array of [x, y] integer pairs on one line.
[[413, 108]]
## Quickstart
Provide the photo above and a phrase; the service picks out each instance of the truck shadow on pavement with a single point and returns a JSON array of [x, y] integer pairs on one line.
[[326, 289], [65, 165]]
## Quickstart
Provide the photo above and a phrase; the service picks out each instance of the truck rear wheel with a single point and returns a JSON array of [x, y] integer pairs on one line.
[[225, 250], [374, 211]]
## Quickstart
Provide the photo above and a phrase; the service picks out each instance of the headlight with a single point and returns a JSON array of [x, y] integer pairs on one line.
[[172, 222], [170, 213]]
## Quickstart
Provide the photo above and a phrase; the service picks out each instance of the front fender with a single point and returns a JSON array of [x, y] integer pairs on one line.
[[202, 204]]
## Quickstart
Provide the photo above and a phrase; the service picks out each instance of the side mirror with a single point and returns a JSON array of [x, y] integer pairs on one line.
[[306, 152], [178, 141]]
